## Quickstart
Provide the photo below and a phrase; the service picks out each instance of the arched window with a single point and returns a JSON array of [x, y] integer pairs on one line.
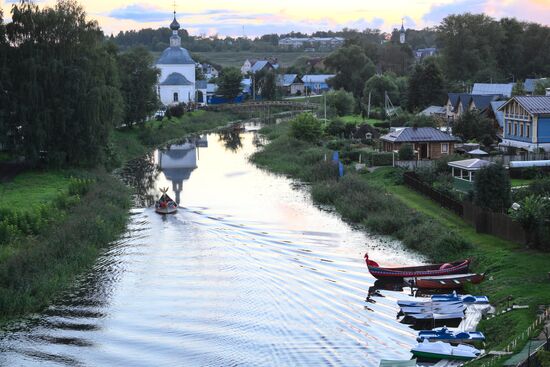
[[176, 97]]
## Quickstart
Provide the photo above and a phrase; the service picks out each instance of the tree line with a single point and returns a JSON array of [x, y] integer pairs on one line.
[[63, 88]]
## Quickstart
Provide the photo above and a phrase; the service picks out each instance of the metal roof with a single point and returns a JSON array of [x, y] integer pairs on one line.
[[321, 78], [176, 79], [534, 104], [175, 56], [486, 88], [499, 115], [433, 110], [474, 164], [482, 102], [287, 80], [419, 134], [259, 65]]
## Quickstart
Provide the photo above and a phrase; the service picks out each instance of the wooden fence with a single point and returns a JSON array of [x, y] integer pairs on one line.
[[484, 221]]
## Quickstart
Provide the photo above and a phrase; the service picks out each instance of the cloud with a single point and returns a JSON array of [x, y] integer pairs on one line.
[[439, 11], [140, 13]]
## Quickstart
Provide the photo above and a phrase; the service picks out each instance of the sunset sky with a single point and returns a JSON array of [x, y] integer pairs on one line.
[[258, 17]]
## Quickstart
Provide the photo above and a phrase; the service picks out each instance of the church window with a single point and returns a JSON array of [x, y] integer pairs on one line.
[[176, 97]]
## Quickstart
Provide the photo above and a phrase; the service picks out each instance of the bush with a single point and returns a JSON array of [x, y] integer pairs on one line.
[[382, 125], [406, 152], [341, 102], [177, 110], [306, 127], [380, 158], [492, 188]]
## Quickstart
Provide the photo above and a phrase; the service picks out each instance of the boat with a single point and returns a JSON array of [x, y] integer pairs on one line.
[[468, 298], [427, 303], [444, 334], [436, 316], [165, 204], [379, 272], [441, 350], [447, 309], [453, 281]]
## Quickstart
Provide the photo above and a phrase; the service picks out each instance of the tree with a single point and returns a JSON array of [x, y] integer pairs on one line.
[[265, 84], [426, 85], [518, 89], [341, 102], [352, 68], [230, 83], [378, 86], [137, 85], [473, 126], [532, 214], [540, 87], [67, 97], [492, 188], [306, 127]]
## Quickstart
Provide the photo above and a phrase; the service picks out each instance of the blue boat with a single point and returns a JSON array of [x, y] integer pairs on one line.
[[453, 297], [444, 334]]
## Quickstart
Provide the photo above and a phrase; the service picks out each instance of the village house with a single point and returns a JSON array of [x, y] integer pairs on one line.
[[291, 84], [317, 83], [504, 90], [253, 66], [458, 103], [428, 142], [527, 123]]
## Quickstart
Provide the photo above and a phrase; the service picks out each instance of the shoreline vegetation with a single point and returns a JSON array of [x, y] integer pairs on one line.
[[55, 223], [383, 205]]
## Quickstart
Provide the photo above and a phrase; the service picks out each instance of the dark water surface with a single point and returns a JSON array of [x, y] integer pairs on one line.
[[248, 272]]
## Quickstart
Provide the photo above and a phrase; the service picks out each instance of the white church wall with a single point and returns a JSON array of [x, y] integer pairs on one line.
[[185, 93], [187, 70]]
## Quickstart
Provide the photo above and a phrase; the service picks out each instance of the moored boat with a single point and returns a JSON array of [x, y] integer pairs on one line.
[[380, 272], [440, 350], [444, 334], [165, 204], [452, 281], [440, 309]]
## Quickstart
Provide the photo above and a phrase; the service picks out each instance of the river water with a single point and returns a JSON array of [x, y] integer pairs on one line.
[[247, 273]]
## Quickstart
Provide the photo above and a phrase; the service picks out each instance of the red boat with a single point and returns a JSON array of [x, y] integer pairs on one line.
[[453, 281], [458, 267]]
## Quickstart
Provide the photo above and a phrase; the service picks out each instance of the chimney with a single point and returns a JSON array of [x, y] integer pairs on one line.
[[547, 92]]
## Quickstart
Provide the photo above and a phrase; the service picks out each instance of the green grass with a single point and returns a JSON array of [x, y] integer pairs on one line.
[[358, 119], [405, 214], [30, 189], [316, 98], [517, 182], [237, 58]]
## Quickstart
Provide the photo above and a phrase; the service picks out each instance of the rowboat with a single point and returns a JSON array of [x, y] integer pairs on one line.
[[468, 298], [442, 309], [379, 272], [444, 334], [441, 350], [165, 205], [453, 281], [436, 316]]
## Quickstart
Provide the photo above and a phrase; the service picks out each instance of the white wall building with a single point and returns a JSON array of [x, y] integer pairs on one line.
[[177, 71]]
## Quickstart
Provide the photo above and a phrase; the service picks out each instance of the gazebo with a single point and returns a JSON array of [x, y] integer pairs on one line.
[[464, 171]]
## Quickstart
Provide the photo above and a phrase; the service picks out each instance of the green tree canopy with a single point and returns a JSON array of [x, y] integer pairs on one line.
[[341, 102], [426, 85], [137, 80], [306, 127], [377, 86], [518, 89], [230, 83], [473, 126], [492, 188], [352, 68], [265, 84], [540, 87]]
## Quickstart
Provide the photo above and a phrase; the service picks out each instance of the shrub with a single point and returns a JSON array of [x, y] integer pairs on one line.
[[406, 152], [380, 158], [177, 110], [341, 102], [306, 127], [492, 188]]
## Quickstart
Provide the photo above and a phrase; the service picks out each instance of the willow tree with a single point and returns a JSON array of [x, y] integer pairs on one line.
[[67, 89]]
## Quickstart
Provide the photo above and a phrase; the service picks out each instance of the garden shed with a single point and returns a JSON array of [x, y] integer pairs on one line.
[[464, 172]]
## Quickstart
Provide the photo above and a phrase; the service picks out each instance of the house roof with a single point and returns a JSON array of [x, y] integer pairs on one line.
[[482, 102], [477, 152], [259, 65], [534, 104], [499, 115], [321, 78], [287, 80], [486, 88], [473, 164], [419, 134], [433, 110], [176, 79]]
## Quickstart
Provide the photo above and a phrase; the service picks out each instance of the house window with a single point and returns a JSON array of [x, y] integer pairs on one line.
[[509, 128], [176, 97], [445, 148], [527, 130], [515, 128], [521, 129]]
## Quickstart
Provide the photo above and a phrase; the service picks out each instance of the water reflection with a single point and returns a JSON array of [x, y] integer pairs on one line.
[[231, 139], [176, 163]]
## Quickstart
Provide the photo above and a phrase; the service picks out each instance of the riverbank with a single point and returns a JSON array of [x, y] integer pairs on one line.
[[383, 205], [54, 223]]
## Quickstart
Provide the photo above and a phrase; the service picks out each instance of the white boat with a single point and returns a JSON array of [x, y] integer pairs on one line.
[[455, 308], [436, 316], [428, 303], [441, 350]]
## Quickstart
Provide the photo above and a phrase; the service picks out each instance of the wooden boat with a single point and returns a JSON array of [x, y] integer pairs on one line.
[[379, 272], [444, 334], [441, 350], [453, 281], [436, 316], [165, 204]]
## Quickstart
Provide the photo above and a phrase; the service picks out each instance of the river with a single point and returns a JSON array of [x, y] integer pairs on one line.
[[248, 272]]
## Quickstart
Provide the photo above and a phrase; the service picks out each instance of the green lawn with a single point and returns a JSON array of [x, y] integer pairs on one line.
[[516, 182], [28, 190], [358, 119]]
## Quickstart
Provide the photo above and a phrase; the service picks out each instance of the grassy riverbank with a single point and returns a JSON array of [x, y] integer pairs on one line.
[[53, 224], [380, 202]]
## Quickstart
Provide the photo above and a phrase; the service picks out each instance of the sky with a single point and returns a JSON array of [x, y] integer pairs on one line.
[[254, 18]]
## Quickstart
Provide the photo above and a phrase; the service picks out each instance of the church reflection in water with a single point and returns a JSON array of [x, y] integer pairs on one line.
[[178, 161]]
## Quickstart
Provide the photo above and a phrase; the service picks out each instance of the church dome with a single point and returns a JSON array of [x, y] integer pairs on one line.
[[175, 56], [174, 25], [176, 79]]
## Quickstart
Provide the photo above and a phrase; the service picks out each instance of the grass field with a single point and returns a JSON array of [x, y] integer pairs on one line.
[[358, 119], [237, 59]]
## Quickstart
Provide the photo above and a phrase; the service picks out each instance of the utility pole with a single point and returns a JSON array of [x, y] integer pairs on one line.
[[368, 108], [325, 95], [253, 88]]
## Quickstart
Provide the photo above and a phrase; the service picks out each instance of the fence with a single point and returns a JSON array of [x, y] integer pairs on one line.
[[484, 221], [414, 164], [412, 180], [528, 156]]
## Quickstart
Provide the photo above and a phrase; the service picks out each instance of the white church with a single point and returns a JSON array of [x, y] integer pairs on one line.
[[177, 71]]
